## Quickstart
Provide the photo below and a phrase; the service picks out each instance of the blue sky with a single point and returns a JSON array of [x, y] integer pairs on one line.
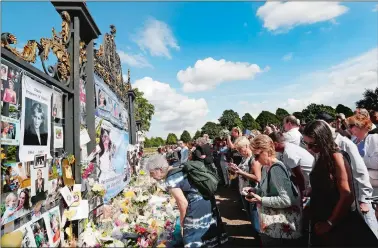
[[194, 60]]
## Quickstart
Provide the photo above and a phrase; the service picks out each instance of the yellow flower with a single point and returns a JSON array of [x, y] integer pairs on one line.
[[124, 208], [142, 172], [162, 244], [129, 194]]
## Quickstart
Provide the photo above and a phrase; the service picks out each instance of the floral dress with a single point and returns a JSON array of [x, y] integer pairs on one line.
[[280, 211], [201, 226]]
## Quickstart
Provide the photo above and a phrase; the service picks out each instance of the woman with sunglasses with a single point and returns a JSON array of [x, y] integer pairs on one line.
[[278, 200], [332, 194], [367, 144]]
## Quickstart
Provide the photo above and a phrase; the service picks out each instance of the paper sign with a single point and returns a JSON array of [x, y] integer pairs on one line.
[[84, 137], [81, 211], [76, 195], [67, 195]]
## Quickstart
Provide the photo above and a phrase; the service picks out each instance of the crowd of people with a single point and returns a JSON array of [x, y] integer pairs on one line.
[[312, 182]]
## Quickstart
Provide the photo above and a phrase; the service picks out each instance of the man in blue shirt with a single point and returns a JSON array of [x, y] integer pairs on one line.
[[184, 152]]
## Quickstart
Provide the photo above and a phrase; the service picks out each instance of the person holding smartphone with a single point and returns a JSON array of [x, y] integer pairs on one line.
[[249, 174]]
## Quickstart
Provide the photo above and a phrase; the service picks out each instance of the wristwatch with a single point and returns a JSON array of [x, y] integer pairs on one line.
[[330, 223]]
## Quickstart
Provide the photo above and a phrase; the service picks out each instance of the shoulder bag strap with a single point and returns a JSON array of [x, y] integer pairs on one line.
[[295, 193]]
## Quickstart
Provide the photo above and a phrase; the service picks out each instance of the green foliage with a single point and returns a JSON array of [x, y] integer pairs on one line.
[[144, 110], [230, 119], [197, 135], [369, 101], [12, 109], [11, 153], [266, 118], [154, 142], [281, 113], [312, 110], [344, 109], [249, 122], [298, 115], [185, 136], [212, 129], [171, 139]]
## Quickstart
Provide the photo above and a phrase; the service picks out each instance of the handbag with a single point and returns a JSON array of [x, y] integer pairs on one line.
[[281, 223], [352, 231]]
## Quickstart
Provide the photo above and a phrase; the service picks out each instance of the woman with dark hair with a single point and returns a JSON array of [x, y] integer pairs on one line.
[[334, 217], [35, 135], [105, 153], [23, 205]]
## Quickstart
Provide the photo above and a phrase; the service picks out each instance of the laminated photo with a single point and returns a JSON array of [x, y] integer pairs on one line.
[[10, 91], [35, 124], [57, 107], [4, 72], [10, 131], [39, 184], [53, 226], [58, 137], [39, 232]]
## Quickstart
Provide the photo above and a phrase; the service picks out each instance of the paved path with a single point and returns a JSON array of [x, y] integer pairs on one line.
[[235, 219]]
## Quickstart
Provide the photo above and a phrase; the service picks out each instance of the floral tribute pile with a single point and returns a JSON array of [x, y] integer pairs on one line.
[[142, 216]]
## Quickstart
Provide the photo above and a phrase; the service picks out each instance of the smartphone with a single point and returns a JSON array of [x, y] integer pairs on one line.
[[249, 196]]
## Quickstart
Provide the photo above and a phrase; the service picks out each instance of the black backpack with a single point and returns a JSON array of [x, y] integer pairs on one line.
[[199, 176]]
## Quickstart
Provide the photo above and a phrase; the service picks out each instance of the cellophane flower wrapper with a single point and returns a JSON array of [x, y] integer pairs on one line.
[[143, 215]]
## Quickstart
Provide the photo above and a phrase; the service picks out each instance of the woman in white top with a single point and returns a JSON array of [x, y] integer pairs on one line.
[[249, 172], [105, 154], [359, 126]]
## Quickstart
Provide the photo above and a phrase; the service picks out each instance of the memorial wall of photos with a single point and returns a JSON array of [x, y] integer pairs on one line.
[[34, 164]]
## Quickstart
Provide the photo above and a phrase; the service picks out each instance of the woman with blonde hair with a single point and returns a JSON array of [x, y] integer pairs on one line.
[[249, 172], [233, 155], [278, 199], [200, 220]]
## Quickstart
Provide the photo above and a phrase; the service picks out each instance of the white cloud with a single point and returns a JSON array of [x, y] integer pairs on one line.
[[343, 83], [283, 16], [134, 60], [375, 9], [174, 112], [287, 57], [208, 73], [156, 37]]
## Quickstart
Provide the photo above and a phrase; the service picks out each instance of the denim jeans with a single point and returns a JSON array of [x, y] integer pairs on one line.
[[252, 214], [371, 220]]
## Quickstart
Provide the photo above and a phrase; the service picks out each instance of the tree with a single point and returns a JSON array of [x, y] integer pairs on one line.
[[370, 100], [266, 118], [185, 136], [298, 115], [197, 135], [144, 110], [154, 142], [230, 119], [312, 110], [344, 109], [171, 139], [212, 129], [281, 113], [249, 122]]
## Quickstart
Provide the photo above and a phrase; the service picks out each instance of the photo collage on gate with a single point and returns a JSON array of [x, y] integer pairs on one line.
[[32, 171]]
